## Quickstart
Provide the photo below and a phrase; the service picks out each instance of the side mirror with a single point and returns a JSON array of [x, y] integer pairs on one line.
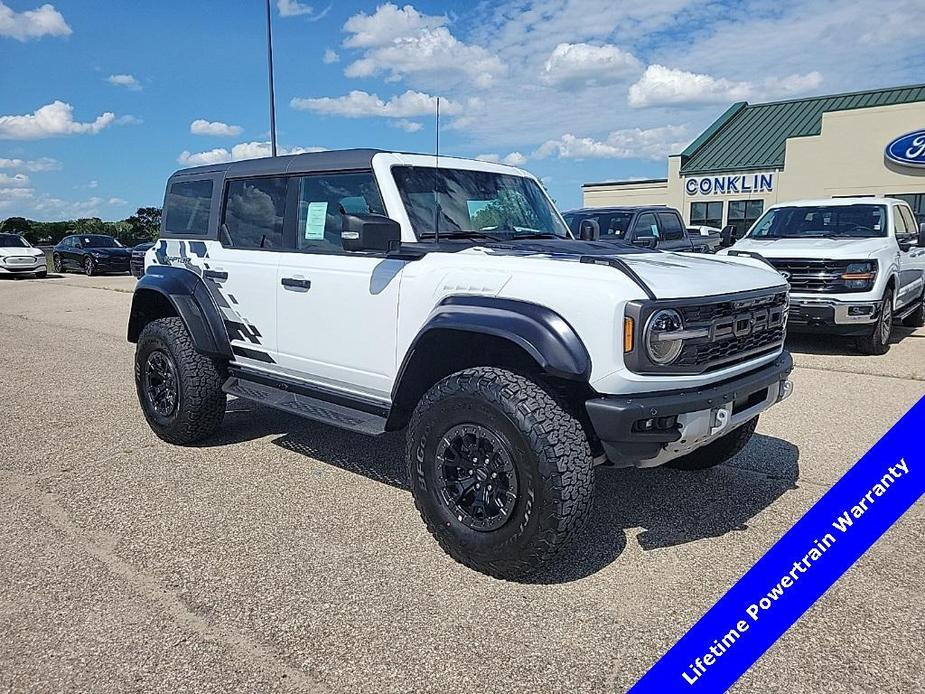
[[728, 236], [588, 230], [369, 232], [646, 242]]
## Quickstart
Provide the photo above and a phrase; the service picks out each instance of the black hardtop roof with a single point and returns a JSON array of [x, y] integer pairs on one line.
[[327, 160]]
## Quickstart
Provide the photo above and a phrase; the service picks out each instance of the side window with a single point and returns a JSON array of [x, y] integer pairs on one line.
[[708, 214], [646, 226], [671, 226], [911, 225], [323, 198], [254, 210], [899, 222], [186, 210]]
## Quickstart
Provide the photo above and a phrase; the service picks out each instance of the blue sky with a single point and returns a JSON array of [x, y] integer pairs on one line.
[[100, 101]]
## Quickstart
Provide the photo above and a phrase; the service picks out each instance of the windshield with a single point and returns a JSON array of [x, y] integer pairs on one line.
[[823, 221], [13, 241], [613, 225], [99, 242], [497, 205]]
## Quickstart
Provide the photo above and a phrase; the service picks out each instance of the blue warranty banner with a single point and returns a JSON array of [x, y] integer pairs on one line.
[[797, 570]]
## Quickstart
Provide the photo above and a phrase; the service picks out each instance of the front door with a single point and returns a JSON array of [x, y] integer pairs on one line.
[[911, 260], [338, 311]]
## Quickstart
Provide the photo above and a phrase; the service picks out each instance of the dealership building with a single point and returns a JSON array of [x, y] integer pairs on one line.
[[756, 155]]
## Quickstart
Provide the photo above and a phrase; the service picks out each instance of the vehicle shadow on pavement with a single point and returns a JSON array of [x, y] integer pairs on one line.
[[672, 507], [834, 345]]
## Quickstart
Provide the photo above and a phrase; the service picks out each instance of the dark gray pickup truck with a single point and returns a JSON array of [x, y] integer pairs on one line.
[[651, 227]]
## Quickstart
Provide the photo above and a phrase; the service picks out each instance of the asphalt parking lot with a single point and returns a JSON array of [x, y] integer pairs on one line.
[[288, 556]]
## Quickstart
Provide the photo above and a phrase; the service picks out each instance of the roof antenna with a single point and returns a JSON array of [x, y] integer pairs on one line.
[[272, 89], [437, 177]]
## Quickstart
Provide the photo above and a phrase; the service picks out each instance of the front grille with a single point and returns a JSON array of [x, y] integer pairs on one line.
[[20, 260], [813, 276], [740, 327]]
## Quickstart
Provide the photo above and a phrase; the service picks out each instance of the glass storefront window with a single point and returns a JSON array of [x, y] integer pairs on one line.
[[708, 214], [741, 214]]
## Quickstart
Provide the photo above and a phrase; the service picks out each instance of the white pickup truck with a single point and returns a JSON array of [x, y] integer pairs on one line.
[[855, 265]]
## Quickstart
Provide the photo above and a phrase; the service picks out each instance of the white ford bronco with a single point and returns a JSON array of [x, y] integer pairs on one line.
[[855, 265], [379, 291]]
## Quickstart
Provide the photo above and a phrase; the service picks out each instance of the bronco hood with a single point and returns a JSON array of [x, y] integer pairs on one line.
[[667, 275]]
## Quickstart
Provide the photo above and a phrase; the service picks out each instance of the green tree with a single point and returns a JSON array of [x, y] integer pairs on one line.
[[89, 225], [510, 209], [16, 225], [145, 223]]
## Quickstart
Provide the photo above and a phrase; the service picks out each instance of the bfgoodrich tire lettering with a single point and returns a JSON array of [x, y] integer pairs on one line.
[[199, 403], [549, 452], [719, 451]]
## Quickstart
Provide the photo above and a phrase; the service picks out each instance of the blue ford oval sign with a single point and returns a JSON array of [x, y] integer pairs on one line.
[[908, 149]]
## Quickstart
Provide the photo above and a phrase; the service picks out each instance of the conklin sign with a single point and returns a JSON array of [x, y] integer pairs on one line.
[[722, 185]]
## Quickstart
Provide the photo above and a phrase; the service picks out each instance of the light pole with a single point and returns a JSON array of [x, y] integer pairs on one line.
[[272, 89]]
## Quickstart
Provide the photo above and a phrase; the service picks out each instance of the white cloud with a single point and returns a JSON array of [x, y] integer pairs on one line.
[[294, 8], [662, 86], [330, 56], [116, 201], [32, 24], [584, 63], [409, 126], [631, 143], [14, 181], [123, 80], [31, 165], [128, 119], [360, 104], [56, 118], [201, 126], [403, 42], [243, 150], [512, 159], [388, 24]]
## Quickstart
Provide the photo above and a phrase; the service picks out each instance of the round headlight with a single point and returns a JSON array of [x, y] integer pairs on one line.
[[660, 346]]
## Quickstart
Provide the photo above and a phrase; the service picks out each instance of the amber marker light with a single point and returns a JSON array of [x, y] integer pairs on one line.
[[628, 331]]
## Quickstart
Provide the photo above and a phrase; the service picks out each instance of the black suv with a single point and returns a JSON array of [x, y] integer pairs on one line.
[[91, 254], [651, 227]]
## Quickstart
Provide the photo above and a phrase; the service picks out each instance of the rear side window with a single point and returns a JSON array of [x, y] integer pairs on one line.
[[254, 210], [671, 226], [186, 210]]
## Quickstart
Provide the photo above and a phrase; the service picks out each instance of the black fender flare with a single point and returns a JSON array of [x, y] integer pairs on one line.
[[541, 332], [191, 301]]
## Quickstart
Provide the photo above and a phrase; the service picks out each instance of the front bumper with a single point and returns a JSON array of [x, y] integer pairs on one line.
[[701, 415], [108, 264], [137, 266], [831, 316], [24, 268]]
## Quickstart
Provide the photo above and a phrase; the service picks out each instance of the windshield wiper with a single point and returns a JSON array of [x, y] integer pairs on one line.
[[537, 235], [459, 235]]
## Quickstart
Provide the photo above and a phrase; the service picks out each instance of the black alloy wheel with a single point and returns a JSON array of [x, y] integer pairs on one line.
[[56, 261], [89, 266], [160, 383], [476, 477]]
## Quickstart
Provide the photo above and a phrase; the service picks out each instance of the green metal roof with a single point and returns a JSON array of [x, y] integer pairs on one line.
[[754, 136]]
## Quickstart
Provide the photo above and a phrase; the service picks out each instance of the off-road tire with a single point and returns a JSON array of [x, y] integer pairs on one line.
[[876, 343], [916, 319], [719, 451], [200, 401], [549, 452]]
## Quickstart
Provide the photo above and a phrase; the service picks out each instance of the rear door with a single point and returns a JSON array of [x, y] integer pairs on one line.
[[671, 228], [241, 267]]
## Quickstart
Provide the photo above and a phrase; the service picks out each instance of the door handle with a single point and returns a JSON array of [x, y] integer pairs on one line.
[[296, 283], [215, 275]]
